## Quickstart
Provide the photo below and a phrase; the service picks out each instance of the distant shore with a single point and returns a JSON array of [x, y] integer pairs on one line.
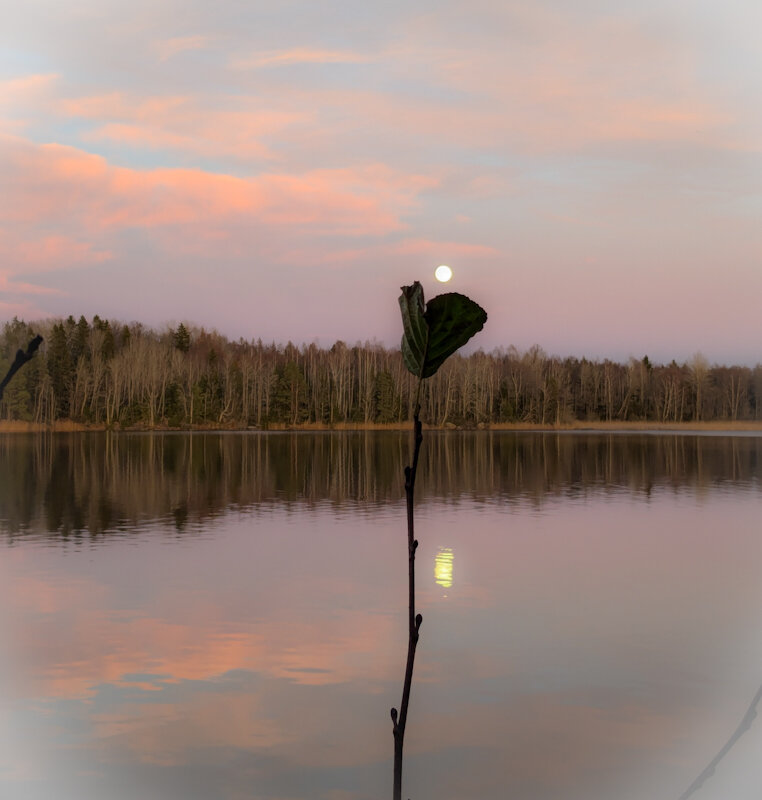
[[67, 426]]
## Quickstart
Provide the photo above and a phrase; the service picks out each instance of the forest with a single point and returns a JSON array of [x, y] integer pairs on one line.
[[114, 375]]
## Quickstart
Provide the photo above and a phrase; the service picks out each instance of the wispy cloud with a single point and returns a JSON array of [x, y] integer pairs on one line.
[[46, 253], [88, 202], [234, 127], [433, 251], [15, 89], [281, 58], [24, 310], [167, 48], [23, 97]]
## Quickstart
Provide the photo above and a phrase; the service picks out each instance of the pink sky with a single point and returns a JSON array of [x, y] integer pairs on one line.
[[592, 172]]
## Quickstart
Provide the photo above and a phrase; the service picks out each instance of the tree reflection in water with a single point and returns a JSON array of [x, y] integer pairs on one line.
[[91, 484], [579, 657]]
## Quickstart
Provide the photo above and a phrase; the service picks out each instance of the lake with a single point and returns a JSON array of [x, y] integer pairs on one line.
[[209, 616]]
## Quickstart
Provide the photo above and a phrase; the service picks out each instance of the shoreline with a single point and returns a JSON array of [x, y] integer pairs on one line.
[[67, 426]]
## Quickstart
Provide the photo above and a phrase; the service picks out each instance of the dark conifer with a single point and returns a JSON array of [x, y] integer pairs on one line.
[[182, 338], [60, 370]]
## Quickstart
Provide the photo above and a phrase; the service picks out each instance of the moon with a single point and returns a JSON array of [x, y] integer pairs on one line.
[[443, 273]]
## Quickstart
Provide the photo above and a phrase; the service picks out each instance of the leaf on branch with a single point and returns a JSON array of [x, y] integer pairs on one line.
[[453, 319], [434, 331], [415, 336]]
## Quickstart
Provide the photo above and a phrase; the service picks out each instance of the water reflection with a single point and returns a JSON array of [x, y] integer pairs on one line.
[[443, 567], [99, 483], [606, 647]]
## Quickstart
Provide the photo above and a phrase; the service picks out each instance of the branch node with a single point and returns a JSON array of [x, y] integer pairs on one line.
[[415, 545], [394, 718], [418, 621]]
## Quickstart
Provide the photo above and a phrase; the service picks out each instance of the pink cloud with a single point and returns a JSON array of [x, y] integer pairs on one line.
[[11, 286], [70, 209], [50, 252], [184, 123], [25, 310], [274, 58], [540, 81], [550, 113], [430, 248], [22, 253], [22, 97], [156, 138], [14, 89], [167, 48], [117, 105], [56, 182]]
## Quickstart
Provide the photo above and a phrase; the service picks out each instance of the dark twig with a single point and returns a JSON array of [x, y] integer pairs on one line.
[[414, 620], [20, 360], [743, 726]]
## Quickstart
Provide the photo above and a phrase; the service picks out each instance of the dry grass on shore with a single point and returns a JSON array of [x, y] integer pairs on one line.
[[60, 426], [68, 426], [579, 425]]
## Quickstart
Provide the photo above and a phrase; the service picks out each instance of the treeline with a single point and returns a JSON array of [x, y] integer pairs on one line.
[[117, 375]]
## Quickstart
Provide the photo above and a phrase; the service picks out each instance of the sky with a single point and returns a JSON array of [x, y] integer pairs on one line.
[[591, 171]]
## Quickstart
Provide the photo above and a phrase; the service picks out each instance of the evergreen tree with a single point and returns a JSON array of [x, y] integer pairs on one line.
[[60, 370], [290, 395], [383, 395], [182, 338], [108, 348], [80, 336]]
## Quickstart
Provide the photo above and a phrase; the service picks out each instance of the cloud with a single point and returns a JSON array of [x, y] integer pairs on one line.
[[33, 253], [431, 249], [565, 81], [14, 90], [167, 48], [278, 58], [23, 97], [73, 209], [24, 310], [534, 80], [235, 127], [58, 183], [551, 113], [48, 253]]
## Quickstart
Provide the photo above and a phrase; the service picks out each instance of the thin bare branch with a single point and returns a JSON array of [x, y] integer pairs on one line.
[[21, 359], [414, 620], [743, 726]]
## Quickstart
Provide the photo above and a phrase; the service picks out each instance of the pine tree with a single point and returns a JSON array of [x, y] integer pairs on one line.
[[383, 395], [182, 338], [60, 370], [79, 340], [108, 347]]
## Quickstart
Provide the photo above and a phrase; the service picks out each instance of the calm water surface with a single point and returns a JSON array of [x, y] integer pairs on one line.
[[206, 616]]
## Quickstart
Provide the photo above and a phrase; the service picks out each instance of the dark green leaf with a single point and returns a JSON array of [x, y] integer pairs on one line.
[[436, 331], [415, 335], [452, 319]]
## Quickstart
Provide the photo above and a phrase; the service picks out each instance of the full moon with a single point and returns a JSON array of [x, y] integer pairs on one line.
[[443, 273]]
